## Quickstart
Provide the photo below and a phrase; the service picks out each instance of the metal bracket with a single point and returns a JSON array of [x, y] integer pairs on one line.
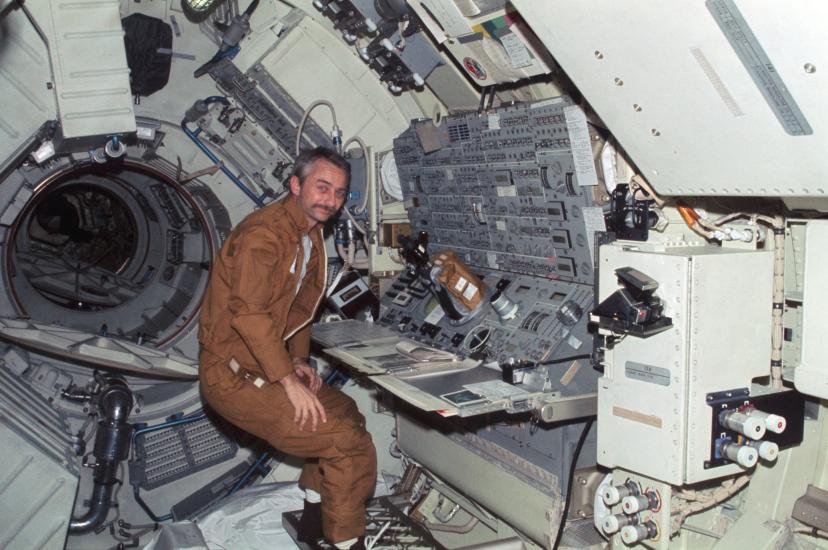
[[812, 508]]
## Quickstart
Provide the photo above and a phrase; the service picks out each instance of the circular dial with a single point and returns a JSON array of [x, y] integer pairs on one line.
[[477, 339]]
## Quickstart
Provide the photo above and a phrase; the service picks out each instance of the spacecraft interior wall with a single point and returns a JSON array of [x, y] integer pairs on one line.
[[40, 476], [708, 98]]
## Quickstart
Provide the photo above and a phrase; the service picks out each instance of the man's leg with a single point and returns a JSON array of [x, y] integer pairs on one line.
[[310, 526], [346, 471], [347, 484]]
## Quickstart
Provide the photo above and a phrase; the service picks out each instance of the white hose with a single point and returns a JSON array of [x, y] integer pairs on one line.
[[306, 114], [361, 228], [349, 256], [778, 300]]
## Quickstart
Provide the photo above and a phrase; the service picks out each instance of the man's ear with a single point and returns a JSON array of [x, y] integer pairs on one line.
[[293, 182]]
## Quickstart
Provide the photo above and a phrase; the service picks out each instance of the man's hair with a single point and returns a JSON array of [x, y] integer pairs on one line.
[[304, 162]]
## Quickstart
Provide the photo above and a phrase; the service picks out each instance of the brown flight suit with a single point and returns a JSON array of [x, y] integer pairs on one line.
[[253, 314]]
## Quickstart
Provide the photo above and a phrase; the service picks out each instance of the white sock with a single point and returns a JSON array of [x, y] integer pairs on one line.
[[345, 544], [313, 497]]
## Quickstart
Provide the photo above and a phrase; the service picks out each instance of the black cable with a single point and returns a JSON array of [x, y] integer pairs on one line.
[[575, 456], [491, 99], [482, 103], [251, 8], [565, 359]]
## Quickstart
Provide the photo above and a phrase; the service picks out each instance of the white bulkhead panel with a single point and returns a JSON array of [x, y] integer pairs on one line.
[[88, 60], [362, 107], [708, 98]]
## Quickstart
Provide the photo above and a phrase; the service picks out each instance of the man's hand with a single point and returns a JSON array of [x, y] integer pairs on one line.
[[304, 370], [305, 403]]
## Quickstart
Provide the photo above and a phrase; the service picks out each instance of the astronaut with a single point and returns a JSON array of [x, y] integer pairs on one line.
[[264, 290]]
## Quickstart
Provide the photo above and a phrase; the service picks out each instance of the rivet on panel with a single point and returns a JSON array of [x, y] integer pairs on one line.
[[637, 108], [619, 82], [598, 55], [810, 68]]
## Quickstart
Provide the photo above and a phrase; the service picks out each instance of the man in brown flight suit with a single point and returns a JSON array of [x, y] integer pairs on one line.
[[265, 287]]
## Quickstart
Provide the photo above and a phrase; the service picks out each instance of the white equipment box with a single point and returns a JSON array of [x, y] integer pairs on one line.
[[653, 417]]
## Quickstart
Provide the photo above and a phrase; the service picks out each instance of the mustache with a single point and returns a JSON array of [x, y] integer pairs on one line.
[[325, 208]]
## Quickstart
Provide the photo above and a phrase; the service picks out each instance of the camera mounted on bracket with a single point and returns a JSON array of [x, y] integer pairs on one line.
[[634, 308]]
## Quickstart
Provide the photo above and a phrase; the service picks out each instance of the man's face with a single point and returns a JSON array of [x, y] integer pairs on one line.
[[322, 193]]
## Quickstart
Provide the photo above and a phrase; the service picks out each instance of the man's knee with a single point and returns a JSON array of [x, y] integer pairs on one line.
[[337, 402], [340, 406], [350, 434], [353, 438]]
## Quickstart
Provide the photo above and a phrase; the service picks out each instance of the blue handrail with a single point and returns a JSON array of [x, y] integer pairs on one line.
[[193, 135]]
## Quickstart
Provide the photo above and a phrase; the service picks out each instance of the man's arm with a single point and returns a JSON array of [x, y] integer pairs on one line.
[[299, 343], [299, 348], [259, 270]]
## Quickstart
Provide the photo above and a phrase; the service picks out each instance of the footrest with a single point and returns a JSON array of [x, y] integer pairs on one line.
[[385, 523]]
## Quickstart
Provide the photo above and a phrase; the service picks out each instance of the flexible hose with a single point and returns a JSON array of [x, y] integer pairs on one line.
[[306, 114], [777, 332], [696, 501], [348, 255], [112, 444]]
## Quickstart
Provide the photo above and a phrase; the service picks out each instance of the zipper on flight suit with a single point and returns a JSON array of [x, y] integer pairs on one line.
[[321, 293]]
